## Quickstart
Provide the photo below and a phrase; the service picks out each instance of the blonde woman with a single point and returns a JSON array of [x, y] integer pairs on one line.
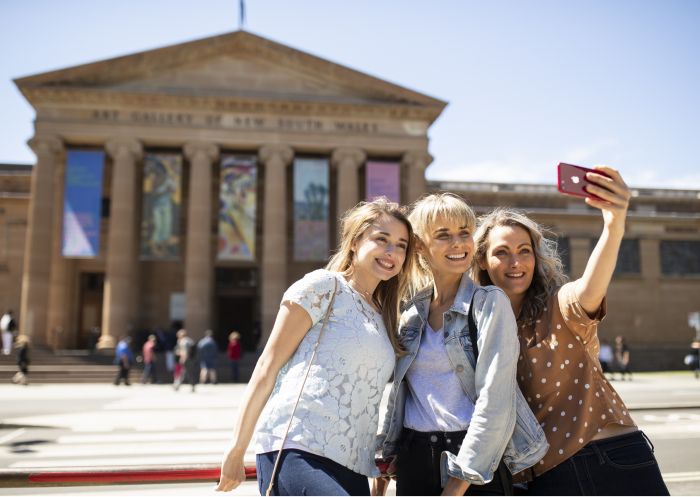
[[451, 421], [596, 448], [329, 449]]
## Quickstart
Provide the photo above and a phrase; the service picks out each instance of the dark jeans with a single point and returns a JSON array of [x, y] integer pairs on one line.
[[622, 465], [418, 465], [149, 373], [303, 473], [122, 374], [235, 371]]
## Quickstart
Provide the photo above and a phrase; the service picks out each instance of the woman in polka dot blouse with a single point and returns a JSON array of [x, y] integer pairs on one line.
[[595, 446]]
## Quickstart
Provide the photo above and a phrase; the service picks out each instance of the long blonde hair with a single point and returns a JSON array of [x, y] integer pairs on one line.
[[387, 295], [424, 214], [549, 271]]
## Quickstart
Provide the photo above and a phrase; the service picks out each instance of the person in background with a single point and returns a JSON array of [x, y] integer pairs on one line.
[[169, 341], [8, 327], [692, 360], [149, 360], [185, 354], [208, 352], [124, 359], [233, 351], [596, 447], [22, 348], [622, 358], [606, 356]]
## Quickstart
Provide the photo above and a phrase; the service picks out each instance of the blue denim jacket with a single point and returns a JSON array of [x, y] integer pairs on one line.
[[502, 424]]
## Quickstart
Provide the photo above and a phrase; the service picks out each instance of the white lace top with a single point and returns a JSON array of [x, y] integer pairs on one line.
[[338, 412]]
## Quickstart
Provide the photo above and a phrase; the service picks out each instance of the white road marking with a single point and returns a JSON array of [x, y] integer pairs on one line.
[[118, 438], [681, 476], [672, 431], [12, 434], [121, 461], [101, 451]]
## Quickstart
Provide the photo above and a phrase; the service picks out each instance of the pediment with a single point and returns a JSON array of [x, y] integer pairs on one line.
[[237, 65], [243, 75]]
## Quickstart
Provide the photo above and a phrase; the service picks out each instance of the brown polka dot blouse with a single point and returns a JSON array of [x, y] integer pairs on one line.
[[561, 378]]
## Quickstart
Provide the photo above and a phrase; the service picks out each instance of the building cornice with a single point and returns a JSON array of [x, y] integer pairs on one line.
[[77, 97]]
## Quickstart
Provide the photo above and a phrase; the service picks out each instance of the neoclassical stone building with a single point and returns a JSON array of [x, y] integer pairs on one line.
[[196, 103], [217, 170]]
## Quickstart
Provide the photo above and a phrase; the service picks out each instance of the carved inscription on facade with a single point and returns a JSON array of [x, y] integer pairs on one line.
[[235, 121]]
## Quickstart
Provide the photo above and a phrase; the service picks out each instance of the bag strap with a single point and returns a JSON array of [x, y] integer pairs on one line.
[[472, 329], [303, 382]]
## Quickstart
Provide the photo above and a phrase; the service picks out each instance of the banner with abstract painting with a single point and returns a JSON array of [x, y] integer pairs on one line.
[[237, 208]]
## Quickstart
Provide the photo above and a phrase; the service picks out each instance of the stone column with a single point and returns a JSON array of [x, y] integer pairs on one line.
[[37, 259], [60, 333], [414, 163], [274, 243], [347, 161], [650, 255], [580, 252], [198, 259], [118, 309]]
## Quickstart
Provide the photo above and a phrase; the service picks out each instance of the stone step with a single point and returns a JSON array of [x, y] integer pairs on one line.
[[47, 367]]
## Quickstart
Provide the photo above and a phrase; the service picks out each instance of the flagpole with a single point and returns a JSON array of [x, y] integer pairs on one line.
[[241, 14]]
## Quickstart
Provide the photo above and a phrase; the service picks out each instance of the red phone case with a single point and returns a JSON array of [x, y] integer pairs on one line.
[[571, 180]]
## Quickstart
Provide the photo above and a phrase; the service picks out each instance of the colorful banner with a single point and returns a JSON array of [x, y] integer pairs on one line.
[[82, 203], [237, 206], [162, 202], [382, 179], [311, 203]]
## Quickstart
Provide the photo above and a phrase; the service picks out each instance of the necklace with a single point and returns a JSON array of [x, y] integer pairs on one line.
[[366, 296]]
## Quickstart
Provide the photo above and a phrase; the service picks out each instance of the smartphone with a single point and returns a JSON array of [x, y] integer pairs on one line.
[[383, 465], [571, 180]]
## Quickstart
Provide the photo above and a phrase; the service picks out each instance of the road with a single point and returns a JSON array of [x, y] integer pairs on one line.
[[88, 426]]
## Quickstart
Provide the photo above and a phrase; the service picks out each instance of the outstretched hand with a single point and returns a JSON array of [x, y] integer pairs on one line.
[[613, 195], [232, 471]]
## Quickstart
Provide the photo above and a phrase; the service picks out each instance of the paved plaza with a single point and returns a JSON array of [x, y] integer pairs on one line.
[[88, 426]]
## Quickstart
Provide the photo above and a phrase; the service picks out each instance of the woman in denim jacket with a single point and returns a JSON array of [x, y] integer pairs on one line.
[[455, 423]]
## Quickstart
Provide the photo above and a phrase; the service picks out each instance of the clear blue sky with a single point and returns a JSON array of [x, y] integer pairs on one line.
[[529, 83]]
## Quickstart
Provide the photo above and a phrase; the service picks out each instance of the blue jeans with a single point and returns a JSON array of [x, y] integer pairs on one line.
[[303, 473], [621, 465]]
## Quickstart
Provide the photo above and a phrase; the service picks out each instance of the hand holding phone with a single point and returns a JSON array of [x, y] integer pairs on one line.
[[571, 180], [605, 190]]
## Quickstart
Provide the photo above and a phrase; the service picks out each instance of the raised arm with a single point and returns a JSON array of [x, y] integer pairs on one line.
[[291, 325], [614, 201]]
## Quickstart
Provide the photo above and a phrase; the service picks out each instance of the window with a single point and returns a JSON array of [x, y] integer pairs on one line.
[[680, 257], [628, 259], [564, 251]]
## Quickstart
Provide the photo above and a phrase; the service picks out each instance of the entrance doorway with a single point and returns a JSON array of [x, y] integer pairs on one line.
[[90, 310], [237, 313], [237, 306]]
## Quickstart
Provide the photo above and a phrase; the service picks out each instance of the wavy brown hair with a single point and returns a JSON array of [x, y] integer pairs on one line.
[[387, 295], [549, 271]]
